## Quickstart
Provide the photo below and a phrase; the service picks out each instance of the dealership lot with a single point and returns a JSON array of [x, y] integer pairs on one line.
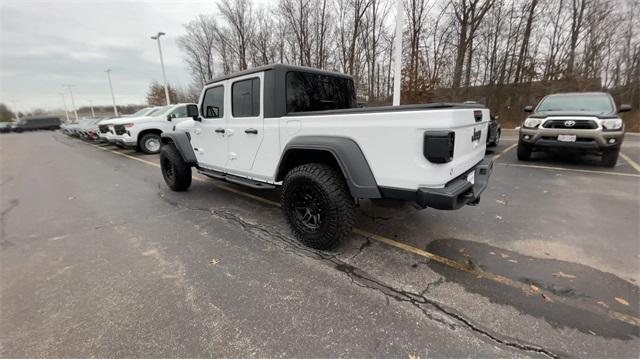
[[100, 258]]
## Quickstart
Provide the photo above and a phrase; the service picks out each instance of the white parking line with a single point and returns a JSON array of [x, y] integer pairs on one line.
[[570, 169], [633, 163]]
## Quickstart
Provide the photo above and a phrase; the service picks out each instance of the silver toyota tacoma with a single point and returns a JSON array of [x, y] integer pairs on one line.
[[583, 122]]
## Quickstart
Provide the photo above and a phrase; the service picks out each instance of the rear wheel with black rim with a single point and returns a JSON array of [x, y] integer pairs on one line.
[[176, 173], [150, 143], [318, 206]]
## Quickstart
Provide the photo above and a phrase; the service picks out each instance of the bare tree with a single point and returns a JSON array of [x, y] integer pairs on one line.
[[239, 17]]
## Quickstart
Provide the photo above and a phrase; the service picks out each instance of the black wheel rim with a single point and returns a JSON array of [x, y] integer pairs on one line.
[[307, 208], [169, 172]]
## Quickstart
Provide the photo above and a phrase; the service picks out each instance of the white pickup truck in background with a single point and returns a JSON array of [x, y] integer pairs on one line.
[[300, 129], [143, 133]]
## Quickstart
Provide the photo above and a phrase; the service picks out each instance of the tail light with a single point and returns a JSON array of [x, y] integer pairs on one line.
[[438, 146]]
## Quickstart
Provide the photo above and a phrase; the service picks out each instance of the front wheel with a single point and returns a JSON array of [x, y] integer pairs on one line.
[[150, 143], [318, 206], [610, 157], [176, 173], [524, 151]]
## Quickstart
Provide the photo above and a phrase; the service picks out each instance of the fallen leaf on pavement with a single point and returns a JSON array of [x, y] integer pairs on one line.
[[498, 217], [413, 356], [621, 301], [492, 253], [504, 203], [513, 261], [546, 299], [504, 255], [214, 261], [563, 275], [603, 304], [534, 288]]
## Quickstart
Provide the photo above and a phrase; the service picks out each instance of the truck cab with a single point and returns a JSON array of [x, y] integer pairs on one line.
[[301, 129]]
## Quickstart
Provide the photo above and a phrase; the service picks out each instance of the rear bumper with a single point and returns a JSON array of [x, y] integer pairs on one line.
[[456, 194]]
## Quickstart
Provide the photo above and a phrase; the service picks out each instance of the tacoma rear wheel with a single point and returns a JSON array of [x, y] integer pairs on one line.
[[610, 157], [524, 151], [176, 173], [150, 143], [317, 204]]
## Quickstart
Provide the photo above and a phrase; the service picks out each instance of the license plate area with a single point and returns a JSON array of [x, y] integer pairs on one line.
[[567, 138]]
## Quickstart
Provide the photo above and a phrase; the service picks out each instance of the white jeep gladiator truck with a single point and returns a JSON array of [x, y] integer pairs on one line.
[[143, 133], [300, 129]]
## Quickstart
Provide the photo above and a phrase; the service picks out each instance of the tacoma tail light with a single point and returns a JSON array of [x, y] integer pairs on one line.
[[438, 146]]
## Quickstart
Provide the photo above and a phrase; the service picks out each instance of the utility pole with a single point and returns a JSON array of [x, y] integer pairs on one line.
[[73, 103], [397, 53], [64, 101], [15, 108], [113, 98], [164, 75], [93, 114]]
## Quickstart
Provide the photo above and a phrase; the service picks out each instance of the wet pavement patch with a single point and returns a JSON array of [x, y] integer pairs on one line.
[[578, 285]]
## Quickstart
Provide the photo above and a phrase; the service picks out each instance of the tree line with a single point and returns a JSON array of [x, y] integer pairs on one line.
[[453, 44]]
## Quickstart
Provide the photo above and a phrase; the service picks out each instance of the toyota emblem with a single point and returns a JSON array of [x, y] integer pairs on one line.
[[569, 123]]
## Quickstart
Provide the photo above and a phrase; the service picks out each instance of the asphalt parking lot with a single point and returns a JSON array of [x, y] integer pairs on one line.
[[99, 258]]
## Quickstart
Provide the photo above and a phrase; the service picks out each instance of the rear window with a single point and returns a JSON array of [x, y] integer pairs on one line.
[[245, 97], [579, 103], [314, 92]]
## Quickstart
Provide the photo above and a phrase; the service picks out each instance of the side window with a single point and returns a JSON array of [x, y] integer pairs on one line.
[[312, 92], [213, 103], [245, 96], [179, 112]]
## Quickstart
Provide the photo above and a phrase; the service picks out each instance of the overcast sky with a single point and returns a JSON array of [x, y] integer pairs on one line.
[[45, 44]]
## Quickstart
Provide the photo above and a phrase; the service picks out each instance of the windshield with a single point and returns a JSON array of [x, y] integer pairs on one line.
[[600, 103], [159, 111], [141, 112]]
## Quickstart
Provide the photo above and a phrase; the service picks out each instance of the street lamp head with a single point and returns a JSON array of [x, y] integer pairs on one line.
[[156, 37]]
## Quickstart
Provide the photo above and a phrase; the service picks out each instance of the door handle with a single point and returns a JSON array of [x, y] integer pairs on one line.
[[220, 130], [251, 131]]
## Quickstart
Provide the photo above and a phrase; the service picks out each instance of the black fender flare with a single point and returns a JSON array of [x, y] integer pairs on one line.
[[348, 155], [183, 145]]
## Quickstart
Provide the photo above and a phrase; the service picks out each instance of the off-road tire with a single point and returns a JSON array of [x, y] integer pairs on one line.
[[610, 158], [176, 173], [142, 144], [524, 151], [330, 200]]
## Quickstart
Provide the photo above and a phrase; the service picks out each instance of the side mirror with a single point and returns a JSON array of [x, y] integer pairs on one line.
[[624, 108], [528, 108], [192, 111], [169, 117]]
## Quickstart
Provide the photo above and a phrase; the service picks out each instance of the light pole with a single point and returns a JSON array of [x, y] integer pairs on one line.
[[113, 98], [397, 53], [73, 103], [164, 75], [64, 101], [15, 108], [93, 114]]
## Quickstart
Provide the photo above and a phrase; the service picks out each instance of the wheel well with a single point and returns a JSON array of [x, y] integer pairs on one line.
[[151, 130], [296, 157]]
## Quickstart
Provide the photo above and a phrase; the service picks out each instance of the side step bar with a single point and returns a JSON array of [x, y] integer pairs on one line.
[[235, 179]]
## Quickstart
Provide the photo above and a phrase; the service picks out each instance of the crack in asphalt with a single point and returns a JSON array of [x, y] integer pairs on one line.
[[362, 279]]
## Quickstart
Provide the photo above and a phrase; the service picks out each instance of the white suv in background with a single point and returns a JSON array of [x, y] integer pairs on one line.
[[143, 133]]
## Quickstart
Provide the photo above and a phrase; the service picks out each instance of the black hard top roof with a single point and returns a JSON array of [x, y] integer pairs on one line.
[[280, 67]]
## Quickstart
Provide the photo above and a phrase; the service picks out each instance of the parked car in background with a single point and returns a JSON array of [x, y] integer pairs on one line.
[[34, 123], [88, 129], [5, 127], [495, 130], [581, 122], [143, 133], [105, 127]]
